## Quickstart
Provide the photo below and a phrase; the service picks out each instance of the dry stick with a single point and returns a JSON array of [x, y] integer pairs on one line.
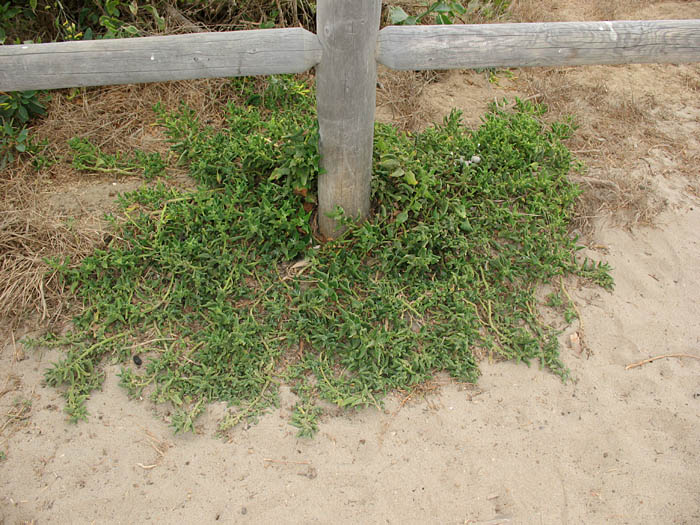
[[157, 340], [640, 363], [18, 415], [285, 462], [403, 402], [152, 440]]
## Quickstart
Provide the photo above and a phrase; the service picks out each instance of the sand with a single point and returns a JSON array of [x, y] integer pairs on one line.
[[612, 445]]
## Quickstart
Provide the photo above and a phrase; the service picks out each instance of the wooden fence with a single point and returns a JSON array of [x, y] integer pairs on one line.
[[345, 52]]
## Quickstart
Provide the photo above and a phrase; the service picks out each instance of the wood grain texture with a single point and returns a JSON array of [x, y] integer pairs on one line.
[[155, 59], [539, 44], [346, 97]]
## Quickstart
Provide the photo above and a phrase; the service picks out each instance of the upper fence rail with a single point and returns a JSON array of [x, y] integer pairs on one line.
[[157, 58], [294, 50], [539, 44]]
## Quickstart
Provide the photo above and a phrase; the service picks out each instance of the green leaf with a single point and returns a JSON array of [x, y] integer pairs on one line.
[[278, 173], [111, 7], [390, 163], [458, 8], [442, 7], [402, 217], [410, 178], [397, 15], [443, 19]]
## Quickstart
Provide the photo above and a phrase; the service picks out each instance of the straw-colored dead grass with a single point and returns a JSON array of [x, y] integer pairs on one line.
[[29, 235], [573, 10], [629, 199], [619, 131], [399, 97]]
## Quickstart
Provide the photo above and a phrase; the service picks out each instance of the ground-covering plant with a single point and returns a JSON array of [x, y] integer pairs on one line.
[[223, 292], [17, 109], [89, 157], [449, 12]]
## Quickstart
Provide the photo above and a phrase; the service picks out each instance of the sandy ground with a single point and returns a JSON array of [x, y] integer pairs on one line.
[[613, 445]]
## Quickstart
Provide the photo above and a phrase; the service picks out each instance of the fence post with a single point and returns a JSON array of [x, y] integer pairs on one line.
[[346, 96]]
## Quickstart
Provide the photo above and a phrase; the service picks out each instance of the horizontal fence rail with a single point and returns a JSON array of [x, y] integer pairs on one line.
[[539, 44], [157, 59], [346, 50]]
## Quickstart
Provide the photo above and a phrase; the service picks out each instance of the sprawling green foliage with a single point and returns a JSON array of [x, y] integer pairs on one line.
[[16, 111], [450, 12], [224, 292]]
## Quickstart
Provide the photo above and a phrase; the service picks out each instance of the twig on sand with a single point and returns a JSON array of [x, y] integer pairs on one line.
[[285, 462], [640, 363]]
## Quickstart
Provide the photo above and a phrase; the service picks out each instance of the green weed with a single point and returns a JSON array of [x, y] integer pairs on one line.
[[89, 157], [17, 109], [224, 293], [450, 12]]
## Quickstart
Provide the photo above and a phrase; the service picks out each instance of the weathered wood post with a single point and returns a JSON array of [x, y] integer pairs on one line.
[[346, 82]]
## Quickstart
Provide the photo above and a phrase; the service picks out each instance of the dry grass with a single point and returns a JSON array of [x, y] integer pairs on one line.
[[558, 11], [29, 233], [118, 118], [399, 96], [628, 199], [246, 14], [618, 129]]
